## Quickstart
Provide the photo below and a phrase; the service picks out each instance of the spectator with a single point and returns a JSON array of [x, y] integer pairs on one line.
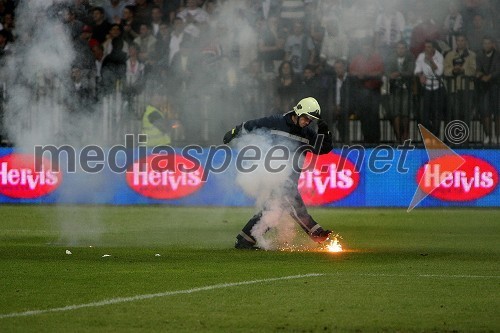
[[97, 70], [228, 88], [130, 25], [166, 7], [183, 66], [108, 69], [80, 91], [156, 21], [329, 10], [82, 10], [115, 39], [5, 48], [271, 44], [213, 11], [176, 38], [488, 77], [143, 10], [335, 44], [114, 10], [470, 9], [162, 48], [494, 9], [84, 59], [245, 37], [193, 16], [53, 11], [210, 49], [186, 96], [324, 75], [246, 12], [170, 8], [413, 19], [400, 68], [316, 31], [147, 44], [134, 75], [100, 26], [253, 85], [453, 24], [368, 67], [389, 27], [427, 30], [358, 20], [311, 86], [73, 25], [8, 6], [299, 48], [268, 8], [429, 69], [342, 97], [9, 26], [291, 12], [286, 88], [459, 70], [477, 32], [116, 54]]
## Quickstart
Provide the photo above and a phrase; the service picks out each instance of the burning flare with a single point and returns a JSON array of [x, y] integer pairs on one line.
[[333, 245]]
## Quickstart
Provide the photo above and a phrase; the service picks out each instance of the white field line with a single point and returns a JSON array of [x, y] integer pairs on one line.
[[444, 276], [149, 296], [228, 285]]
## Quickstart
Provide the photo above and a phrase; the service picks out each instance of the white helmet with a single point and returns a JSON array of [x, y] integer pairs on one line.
[[309, 107]]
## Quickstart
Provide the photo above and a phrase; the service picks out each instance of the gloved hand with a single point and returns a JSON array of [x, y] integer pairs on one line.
[[228, 137], [231, 134], [322, 127], [327, 142]]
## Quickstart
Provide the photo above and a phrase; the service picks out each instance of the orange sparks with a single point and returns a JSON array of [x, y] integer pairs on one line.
[[334, 245]]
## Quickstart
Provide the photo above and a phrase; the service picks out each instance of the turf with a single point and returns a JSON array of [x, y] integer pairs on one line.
[[429, 270]]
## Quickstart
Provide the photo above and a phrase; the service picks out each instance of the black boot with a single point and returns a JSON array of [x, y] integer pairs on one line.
[[242, 243]]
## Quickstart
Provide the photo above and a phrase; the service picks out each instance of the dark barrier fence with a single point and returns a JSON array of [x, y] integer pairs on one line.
[[388, 115], [405, 103]]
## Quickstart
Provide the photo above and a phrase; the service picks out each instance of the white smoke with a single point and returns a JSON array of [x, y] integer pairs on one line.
[[36, 76], [276, 228]]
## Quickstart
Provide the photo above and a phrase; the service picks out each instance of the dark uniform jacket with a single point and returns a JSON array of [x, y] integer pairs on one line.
[[298, 140]]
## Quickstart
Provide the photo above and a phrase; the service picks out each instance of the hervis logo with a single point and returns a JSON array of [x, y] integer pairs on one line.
[[474, 179], [165, 176], [449, 176], [18, 178], [330, 179]]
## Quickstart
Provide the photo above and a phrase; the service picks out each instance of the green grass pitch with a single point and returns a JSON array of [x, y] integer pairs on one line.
[[426, 271]]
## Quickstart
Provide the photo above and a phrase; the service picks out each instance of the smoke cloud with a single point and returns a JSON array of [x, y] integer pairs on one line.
[[276, 228], [40, 107], [36, 76]]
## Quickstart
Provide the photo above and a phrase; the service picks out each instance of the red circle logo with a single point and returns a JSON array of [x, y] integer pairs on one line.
[[162, 176], [327, 178], [19, 178], [474, 179]]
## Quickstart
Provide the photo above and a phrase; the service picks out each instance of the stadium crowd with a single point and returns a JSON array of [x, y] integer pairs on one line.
[[363, 60]]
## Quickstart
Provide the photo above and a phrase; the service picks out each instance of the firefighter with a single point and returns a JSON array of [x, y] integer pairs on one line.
[[293, 128]]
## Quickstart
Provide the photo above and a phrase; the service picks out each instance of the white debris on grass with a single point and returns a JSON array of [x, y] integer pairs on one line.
[[68, 252], [106, 255]]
